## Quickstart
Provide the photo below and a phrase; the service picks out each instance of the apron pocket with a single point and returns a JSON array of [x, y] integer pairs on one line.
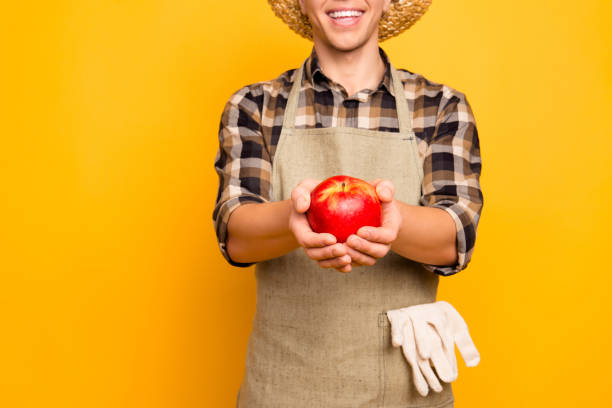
[[397, 385]]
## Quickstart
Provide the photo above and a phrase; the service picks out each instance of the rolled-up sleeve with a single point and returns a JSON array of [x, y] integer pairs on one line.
[[452, 168], [242, 162]]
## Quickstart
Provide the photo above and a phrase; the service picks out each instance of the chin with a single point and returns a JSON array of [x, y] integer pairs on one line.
[[349, 46], [346, 42]]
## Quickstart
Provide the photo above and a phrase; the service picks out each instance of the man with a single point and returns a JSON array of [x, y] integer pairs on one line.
[[322, 338]]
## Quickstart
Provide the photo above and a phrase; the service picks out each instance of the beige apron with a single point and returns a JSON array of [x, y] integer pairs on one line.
[[321, 338]]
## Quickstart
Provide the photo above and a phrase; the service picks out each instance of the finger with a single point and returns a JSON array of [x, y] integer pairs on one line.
[[345, 268], [429, 328], [441, 364], [381, 235], [396, 320], [360, 258], [410, 353], [385, 191], [310, 239], [298, 224], [452, 359], [370, 248], [429, 375], [336, 262], [450, 352], [440, 325], [326, 252], [442, 329], [422, 336], [448, 346]]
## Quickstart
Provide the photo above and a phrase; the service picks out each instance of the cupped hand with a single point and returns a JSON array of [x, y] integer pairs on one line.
[[372, 243], [322, 248]]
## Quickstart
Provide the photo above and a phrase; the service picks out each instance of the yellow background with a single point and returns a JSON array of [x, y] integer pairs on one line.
[[113, 291]]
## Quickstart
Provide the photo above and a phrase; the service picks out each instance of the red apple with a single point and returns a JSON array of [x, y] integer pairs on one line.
[[341, 205]]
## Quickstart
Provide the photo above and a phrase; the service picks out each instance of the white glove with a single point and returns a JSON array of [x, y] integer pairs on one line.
[[433, 329], [422, 373]]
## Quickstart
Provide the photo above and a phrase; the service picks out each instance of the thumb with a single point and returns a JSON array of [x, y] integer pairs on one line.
[[301, 199], [385, 191], [303, 203], [461, 334], [468, 350]]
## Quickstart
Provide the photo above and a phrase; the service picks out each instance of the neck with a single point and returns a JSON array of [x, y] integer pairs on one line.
[[356, 69]]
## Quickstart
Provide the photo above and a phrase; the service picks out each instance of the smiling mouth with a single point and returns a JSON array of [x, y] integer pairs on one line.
[[345, 17]]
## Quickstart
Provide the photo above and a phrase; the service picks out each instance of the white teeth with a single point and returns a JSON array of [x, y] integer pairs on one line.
[[345, 13]]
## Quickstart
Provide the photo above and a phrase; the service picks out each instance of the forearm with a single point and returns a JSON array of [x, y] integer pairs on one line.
[[427, 235], [257, 232]]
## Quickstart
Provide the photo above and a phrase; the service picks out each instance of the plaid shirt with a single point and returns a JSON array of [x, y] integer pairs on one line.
[[443, 122]]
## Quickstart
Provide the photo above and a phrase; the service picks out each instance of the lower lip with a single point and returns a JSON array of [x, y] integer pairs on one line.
[[346, 21]]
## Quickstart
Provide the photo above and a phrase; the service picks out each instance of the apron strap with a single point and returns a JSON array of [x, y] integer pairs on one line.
[[401, 104], [404, 118], [289, 116]]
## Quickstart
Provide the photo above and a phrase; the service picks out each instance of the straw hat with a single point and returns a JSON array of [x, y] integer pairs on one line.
[[402, 14]]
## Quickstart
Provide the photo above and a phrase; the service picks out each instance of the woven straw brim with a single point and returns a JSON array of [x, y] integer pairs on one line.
[[402, 14]]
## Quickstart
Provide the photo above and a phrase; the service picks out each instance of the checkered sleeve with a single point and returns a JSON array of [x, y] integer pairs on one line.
[[242, 161], [452, 167]]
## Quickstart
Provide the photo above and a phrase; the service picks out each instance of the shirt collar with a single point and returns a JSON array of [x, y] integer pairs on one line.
[[320, 82]]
